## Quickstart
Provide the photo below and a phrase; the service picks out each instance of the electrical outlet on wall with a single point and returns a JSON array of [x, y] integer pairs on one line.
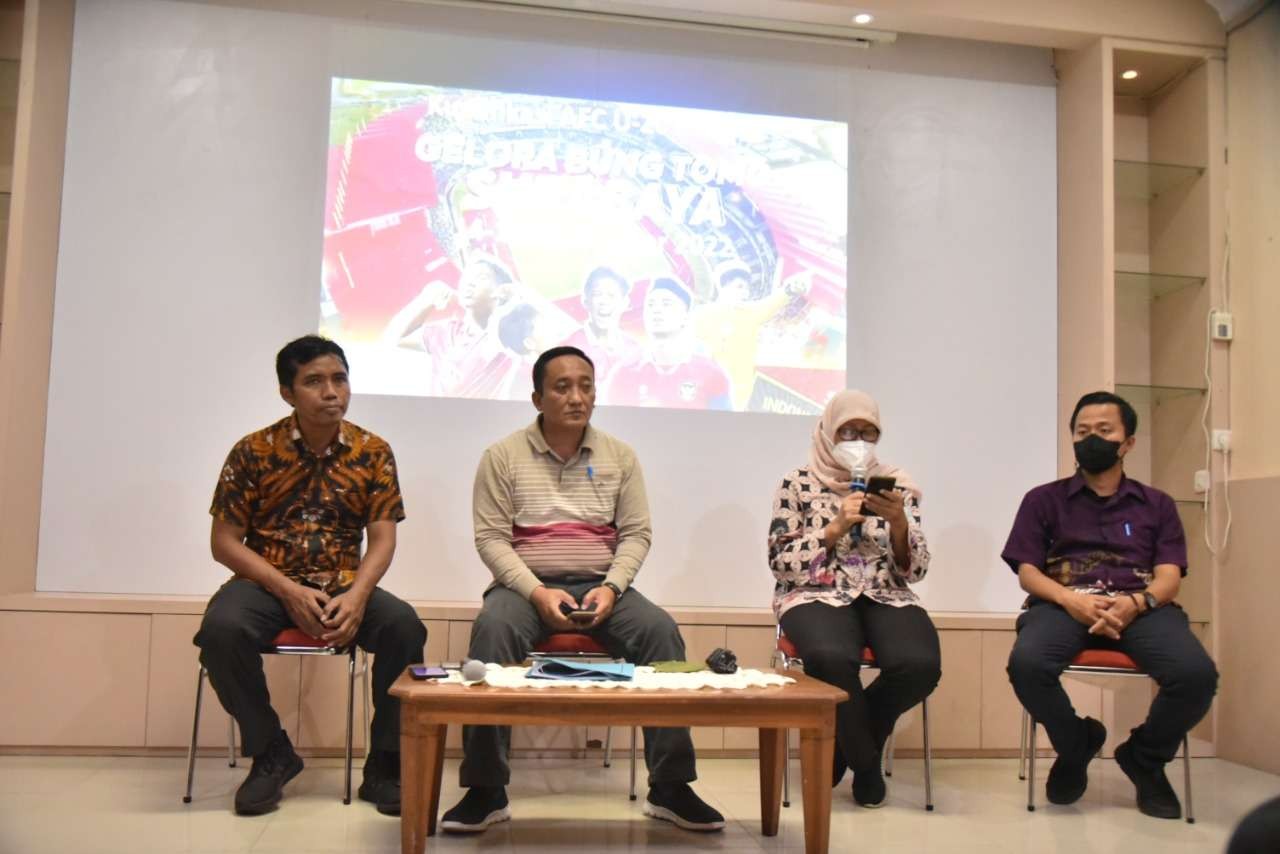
[[1222, 441], [1202, 481]]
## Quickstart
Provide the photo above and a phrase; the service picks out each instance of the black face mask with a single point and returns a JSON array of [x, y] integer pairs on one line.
[[1096, 454]]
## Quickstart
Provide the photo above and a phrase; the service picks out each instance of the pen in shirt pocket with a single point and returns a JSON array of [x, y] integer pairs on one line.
[[1128, 532]]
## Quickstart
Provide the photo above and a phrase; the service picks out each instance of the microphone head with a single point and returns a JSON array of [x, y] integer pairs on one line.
[[858, 477], [473, 670]]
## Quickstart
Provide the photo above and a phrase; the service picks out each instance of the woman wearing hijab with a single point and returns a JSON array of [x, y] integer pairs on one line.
[[842, 584]]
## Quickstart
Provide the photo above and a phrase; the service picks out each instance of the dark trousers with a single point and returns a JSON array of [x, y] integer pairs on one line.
[[1159, 641], [905, 642], [506, 630], [242, 619]]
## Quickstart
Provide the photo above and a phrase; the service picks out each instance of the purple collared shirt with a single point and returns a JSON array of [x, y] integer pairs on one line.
[[1085, 542]]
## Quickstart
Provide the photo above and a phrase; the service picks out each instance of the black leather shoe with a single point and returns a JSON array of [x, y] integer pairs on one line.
[[381, 786], [1155, 795], [263, 788], [480, 807], [1069, 776], [680, 805]]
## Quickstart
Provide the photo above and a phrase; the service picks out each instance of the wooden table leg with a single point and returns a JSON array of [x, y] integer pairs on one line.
[[773, 757], [817, 746], [435, 747], [419, 745]]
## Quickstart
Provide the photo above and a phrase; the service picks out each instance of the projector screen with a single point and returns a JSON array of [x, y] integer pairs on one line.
[[909, 197], [697, 256]]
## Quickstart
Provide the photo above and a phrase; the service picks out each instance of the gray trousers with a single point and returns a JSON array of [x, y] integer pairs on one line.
[[507, 629]]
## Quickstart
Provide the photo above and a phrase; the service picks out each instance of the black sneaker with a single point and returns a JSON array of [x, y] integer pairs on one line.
[[263, 788], [381, 786], [868, 788], [678, 804], [1069, 776], [1155, 795], [480, 807]]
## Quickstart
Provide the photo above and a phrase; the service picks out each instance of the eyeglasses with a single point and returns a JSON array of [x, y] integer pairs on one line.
[[866, 434]]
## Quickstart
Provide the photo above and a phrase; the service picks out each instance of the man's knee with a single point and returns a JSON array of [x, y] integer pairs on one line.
[[1195, 678], [219, 631], [403, 628], [492, 635], [659, 632], [1028, 666]]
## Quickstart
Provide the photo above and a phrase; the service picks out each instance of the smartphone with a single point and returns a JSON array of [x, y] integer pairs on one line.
[[878, 486], [421, 671], [579, 615]]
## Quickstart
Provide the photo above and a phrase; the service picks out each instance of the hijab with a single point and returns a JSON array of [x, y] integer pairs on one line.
[[844, 407]]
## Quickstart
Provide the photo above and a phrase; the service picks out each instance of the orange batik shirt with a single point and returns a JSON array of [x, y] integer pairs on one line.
[[306, 513]]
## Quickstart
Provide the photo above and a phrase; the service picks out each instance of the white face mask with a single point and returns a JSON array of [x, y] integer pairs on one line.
[[859, 454]]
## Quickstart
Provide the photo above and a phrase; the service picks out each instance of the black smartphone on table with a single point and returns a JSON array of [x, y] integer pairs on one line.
[[422, 671]]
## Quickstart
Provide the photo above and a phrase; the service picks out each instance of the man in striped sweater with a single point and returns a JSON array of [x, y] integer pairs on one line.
[[561, 517]]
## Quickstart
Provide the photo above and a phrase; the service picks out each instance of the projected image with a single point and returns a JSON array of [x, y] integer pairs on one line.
[[699, 257]]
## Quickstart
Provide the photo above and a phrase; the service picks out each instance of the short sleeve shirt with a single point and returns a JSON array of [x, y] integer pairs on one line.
[[696, 384], [1085, 542], [306, 513]]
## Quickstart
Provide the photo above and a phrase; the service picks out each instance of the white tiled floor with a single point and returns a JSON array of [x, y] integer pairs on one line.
[[78, 804]]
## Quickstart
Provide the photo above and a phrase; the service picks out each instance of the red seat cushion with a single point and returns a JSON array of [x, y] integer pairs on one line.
[[787, 648], [571, 642], [1104, 658], [297, 637]]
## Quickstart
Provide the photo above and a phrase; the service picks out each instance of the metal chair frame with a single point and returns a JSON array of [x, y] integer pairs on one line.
[[1027, 757], [795, 661], [291, 649]]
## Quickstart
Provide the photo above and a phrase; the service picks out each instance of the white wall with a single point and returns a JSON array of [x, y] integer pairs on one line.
[[190, 251]]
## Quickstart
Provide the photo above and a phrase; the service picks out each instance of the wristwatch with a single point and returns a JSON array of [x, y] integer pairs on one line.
[[617, 591], [1150, 599]]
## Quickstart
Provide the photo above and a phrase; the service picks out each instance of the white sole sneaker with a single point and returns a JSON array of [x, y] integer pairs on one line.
[[494, 817], [654, 811]]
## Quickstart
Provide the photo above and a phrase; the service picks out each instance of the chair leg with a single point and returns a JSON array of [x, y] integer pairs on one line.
[[786, 771], [928, 759], [195, 729], [351, 697], [608, 747], [1022, 748], [632, 795], [887, 760], [364, 701], [1186, 773], [1031, 764]]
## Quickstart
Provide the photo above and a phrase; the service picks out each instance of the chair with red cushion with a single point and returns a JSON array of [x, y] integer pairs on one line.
[[568, 643], [293, 641], [787, 655], [1092, 662]]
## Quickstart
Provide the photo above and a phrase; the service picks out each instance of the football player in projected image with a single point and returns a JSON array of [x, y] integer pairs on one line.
[[606, 295], [730, 326], [671, 372], [459, 346]]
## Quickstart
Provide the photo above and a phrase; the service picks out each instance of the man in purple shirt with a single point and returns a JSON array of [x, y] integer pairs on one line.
[[1102, 557]]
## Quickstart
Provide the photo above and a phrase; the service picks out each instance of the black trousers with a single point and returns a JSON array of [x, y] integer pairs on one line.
[[905, 642], [242, 619], [1159, 641], [506, 630]]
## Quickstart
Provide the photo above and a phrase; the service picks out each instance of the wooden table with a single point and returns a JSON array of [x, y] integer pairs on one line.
[[428, 707]]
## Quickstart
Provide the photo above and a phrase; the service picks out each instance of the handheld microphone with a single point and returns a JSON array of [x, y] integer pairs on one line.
[[858, 483]]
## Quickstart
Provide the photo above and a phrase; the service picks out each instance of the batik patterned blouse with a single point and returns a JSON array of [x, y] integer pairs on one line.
[[807, 571]]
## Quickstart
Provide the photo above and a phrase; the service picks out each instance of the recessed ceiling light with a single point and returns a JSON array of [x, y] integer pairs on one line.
[[1129, 74], [862, 18]]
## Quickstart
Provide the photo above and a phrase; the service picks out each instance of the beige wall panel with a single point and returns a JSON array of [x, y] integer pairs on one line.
[[1130, 128], [459, 639], [1196, 593], [1178, 129], [323, 707], [1249, 688], [1254, 139], [1176, 435], [437, 641], [1086, 230], [754, 646], [1000, 710], [74, 679], [955, 707]]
